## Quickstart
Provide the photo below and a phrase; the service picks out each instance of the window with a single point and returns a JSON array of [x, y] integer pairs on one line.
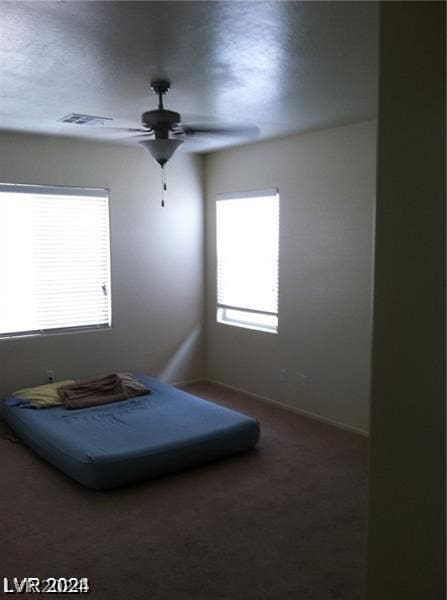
[[54, 259], [247, 259]]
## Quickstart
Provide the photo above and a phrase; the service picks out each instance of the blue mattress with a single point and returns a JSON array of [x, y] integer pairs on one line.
[[113, 444]]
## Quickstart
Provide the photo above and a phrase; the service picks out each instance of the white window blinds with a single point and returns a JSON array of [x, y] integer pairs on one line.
[[247, 259], [54, 259]]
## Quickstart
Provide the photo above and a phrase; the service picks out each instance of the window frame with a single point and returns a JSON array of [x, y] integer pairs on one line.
[[222, 309], [56, 190]]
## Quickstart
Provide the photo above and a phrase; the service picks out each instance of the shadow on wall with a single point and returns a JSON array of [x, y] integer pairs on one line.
[[183, 361]]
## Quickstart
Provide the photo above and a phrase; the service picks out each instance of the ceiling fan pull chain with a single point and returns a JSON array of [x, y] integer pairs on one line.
[[163, 185]]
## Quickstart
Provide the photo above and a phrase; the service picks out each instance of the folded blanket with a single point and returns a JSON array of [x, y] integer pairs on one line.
[[93, 391], [132, 385]]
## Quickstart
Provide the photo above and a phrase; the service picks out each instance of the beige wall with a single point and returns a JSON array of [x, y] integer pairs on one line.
[[326, 181], [156, 257], [406, 534]]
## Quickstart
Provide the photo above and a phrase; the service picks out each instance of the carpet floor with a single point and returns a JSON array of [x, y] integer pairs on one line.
[[285, 521]]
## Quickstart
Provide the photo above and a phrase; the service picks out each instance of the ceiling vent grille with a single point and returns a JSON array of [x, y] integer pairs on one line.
[[78, 119]]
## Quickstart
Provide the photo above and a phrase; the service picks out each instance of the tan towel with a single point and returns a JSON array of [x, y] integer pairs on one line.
[[93, 391]]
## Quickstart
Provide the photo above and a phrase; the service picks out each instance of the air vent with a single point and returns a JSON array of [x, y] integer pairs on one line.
[[78, 119]]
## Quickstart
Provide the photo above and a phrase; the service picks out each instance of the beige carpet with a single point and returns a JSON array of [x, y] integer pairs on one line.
[[283, 522]]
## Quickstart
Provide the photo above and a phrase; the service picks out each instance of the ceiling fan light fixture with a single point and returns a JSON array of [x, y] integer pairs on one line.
[[162, 149]]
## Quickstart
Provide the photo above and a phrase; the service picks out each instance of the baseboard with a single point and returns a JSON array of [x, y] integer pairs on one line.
[[300, 411], [187, 382]]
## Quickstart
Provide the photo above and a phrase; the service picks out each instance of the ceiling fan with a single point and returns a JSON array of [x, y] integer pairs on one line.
[[162, 130]]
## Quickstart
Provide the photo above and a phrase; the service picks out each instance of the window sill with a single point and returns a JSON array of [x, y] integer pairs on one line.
[[49, 333], [247, 319], [247, 326]]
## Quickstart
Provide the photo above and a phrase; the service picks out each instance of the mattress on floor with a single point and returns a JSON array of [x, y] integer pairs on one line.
[[110, 445]]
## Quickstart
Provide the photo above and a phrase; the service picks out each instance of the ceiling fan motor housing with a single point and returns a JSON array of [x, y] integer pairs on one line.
[[161, 121]]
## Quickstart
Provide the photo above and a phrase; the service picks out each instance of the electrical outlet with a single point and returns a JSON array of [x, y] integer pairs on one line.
[[283, 377], [50, 375]]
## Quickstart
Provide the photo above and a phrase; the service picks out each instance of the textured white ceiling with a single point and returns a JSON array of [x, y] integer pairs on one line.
[[283, 66]]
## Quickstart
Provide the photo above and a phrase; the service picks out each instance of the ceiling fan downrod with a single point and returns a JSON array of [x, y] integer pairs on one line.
[[160, 87]]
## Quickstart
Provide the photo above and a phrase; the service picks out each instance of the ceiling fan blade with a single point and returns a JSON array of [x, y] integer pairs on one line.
[[105, 127], [141, 135], [245, 131], [128, 129]]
